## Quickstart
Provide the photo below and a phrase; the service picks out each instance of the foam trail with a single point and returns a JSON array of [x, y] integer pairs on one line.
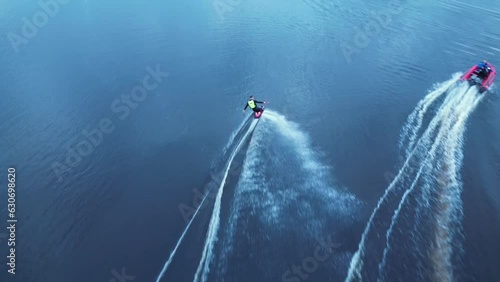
[[181, 238], [393, 221], [356, 262], [426, 190], [414, 122], [252, 170], [449, 198], [235, 133], [213, 228], [464, 109], [172, 254], [300, 141], [447, 109], [312, 193], [442, 258], [318, 174]]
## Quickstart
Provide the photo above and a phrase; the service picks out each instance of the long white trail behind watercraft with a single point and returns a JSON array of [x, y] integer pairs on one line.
[[429, 180]]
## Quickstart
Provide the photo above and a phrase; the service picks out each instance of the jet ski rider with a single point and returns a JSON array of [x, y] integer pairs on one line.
[[252, 103], [483, 69]]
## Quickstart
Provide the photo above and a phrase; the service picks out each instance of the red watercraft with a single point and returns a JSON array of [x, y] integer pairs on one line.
[[483, 77], [258, 114]]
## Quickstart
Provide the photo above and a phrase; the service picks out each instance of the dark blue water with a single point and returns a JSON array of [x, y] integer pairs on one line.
[[342, 79]]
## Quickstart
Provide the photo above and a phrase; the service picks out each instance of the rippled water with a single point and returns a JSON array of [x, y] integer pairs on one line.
[[342, 77]]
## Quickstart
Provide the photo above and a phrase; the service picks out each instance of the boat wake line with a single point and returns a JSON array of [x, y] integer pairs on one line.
[[299, 198], [214, 222], [267, 208], [415, 231]]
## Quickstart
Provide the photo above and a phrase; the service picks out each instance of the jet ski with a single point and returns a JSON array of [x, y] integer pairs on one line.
[[257, 115], [475, 76]]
